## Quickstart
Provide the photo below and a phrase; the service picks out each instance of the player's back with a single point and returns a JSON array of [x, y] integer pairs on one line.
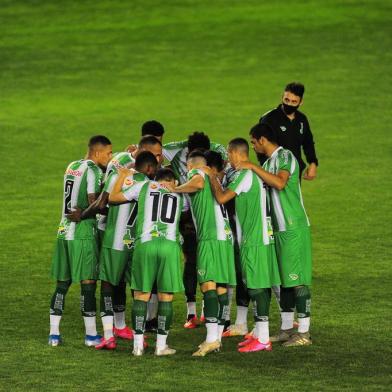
[[159, 212], [81, 178], [210, 218], [288, 211]]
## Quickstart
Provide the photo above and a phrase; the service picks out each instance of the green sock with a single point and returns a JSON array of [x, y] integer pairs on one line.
[[302, 301], [88, 304], [119, 297], [106, 299], [287, 299], [58, 298], [139, 313], [223, 300], [211, 306], [165, 316], [262, 300]]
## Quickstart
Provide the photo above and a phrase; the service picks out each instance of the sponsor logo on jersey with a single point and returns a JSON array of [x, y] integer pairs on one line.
[[293, 276], [301, 130], [283, 128], [75, 173], [153, 186], [128, 181]]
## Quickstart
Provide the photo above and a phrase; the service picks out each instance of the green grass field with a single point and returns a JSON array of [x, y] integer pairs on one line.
[[72, 69]]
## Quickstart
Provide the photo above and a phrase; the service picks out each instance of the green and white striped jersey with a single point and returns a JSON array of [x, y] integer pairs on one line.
[[177, 152], [159, 211], [120, 159], [120, 225], [253, 222], [288, 211], [81, 178], [210, 218]]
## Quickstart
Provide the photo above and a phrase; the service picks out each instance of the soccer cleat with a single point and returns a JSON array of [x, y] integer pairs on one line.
[[164, 351], [54, 340], [109, 344], [92, 341], [255, 345], [123, 333], [151, 325], [236, 330], [283, 336], [298, 339], [206, 348], [138, 351], [245, 342], [191, 323]]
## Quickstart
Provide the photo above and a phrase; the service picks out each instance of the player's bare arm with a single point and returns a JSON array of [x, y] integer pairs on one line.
[[221, 196], [193, 185], [277, 181], [77, 214], [116, 196]]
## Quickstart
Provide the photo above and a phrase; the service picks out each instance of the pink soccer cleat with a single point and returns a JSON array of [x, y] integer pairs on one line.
[[108, 344], [246, 341], [123, 333], [255, 345]]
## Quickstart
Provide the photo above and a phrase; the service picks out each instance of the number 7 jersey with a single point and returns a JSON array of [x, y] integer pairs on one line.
[[159, 211]]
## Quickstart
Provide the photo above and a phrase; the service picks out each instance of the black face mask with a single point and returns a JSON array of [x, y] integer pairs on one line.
[[288, 109]]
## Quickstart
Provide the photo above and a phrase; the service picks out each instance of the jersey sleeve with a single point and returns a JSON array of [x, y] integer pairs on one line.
[[94, 178], [194, 172], [170, 150], [132, 192], [110, 181], [221, 149], [286, 161], [308, 144], [241, 182]]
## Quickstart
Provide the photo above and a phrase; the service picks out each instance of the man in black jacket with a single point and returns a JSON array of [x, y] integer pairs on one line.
[[292, 129]]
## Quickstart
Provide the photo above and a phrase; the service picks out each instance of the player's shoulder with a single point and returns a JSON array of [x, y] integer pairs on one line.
[[301, 116], [179, 145], [194, 172], [270, 114]]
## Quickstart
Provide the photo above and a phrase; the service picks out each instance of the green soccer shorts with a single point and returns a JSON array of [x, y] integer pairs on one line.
[[215, 262], [259, 266], [159, 260], [100, 235], [294, 253], [75, 260], [113, 265]]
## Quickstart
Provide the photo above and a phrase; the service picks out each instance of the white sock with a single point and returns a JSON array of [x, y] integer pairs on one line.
[[152, 307], [119, 320], [107, 323], [161, 341], [276, 290], [90, 325], [212, 332], [138, 340], [220, 332], [54, 324], [287, 320], [242, 315], [230, 291], [304, 324], [191, 308], [262, 331]]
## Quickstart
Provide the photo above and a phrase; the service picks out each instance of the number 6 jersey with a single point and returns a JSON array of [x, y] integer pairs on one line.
[[159, 211]]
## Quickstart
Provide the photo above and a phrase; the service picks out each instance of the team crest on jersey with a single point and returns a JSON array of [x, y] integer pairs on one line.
[[128, 182], [301, 130], [283, 128]]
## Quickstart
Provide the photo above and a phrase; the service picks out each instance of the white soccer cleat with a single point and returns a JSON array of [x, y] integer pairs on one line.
[[164, 351]]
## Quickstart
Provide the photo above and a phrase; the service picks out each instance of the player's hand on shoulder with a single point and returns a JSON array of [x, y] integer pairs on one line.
[[207, 170], [131, 148], [244, 165], [122, 171], [75, 215], [168, 185]]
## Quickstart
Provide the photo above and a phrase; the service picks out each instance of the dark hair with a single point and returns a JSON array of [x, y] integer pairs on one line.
[[214, 159], [149, 141], [196, 154], [165, 174], [145, 158], [296, 88], [239, 143], [152, 127], [99, 139], [263, 130], [198, 141]]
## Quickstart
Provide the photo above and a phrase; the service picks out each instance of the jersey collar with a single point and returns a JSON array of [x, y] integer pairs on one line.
[[276, 151]]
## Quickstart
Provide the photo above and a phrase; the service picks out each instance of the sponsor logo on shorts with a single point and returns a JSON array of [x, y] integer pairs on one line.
[[293, 276], [283, 129], [201, 272]]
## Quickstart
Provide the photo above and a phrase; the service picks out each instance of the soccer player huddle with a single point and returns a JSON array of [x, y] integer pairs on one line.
[[128, 218]]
